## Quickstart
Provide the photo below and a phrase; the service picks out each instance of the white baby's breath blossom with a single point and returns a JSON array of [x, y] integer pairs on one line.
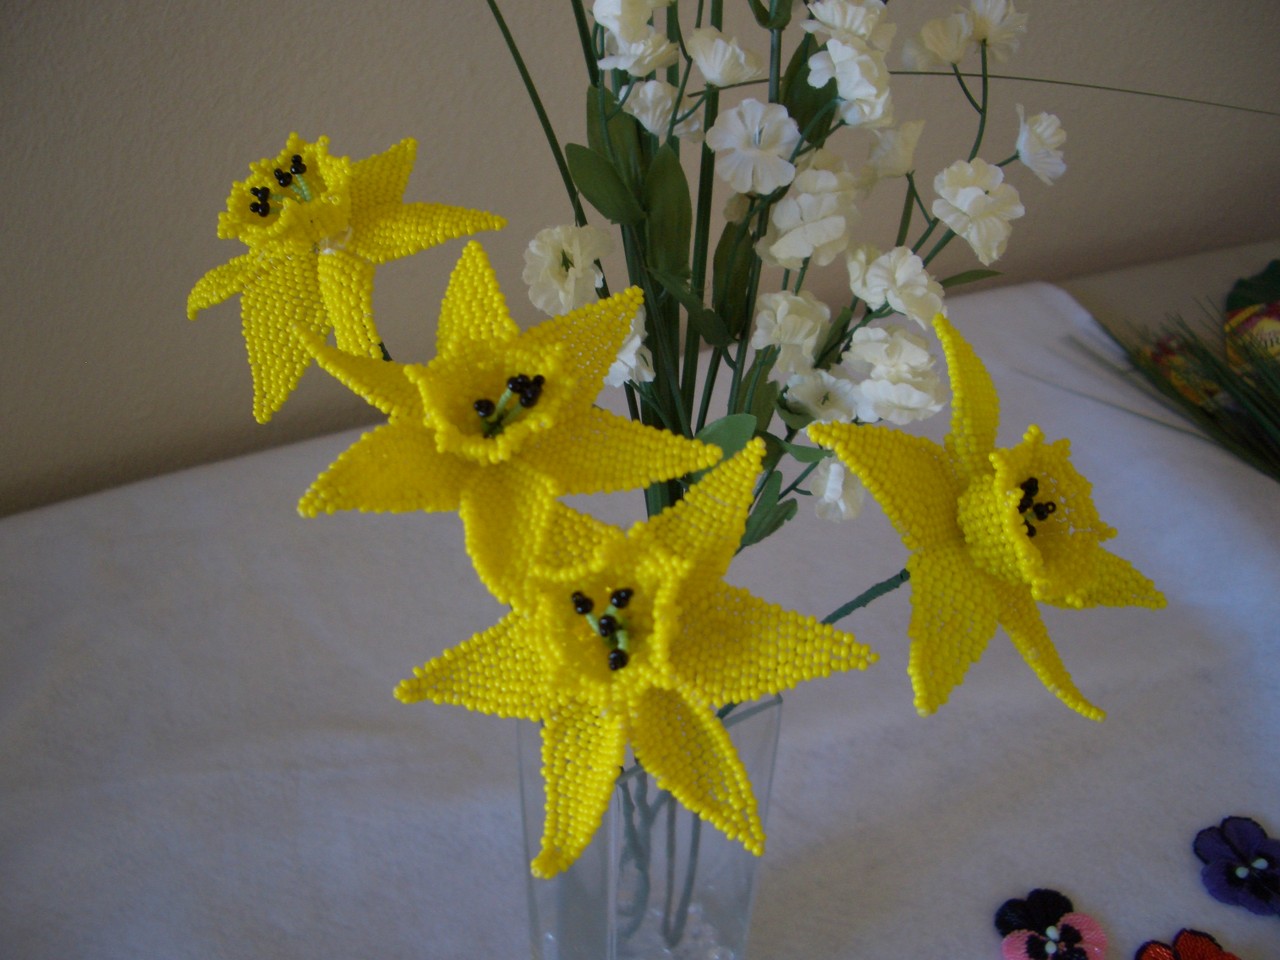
[[858, 260], [560, 267], [634, 362], [812, 220], [823, 395], [998, 24], [641, 57], [794, 324], [723, 62], [753, 144], [837, 493], [862, 81], [899, 403], [893, 375], [847, 20], [893, 151], [975, 202], [942, 43], [628, 20], [899, 279], [652, 102], [1039, 145]]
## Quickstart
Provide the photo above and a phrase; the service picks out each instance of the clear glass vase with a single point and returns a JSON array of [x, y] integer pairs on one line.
[[657, 881]]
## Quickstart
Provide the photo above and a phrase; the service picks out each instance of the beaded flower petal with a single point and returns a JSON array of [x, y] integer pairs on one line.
[[316, 226], [992, 531], [632, 639], [498, 424]]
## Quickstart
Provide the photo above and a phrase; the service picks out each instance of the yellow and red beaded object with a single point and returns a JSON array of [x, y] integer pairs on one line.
[[633, 639], [992, 532], [316, 226], [498, 423]]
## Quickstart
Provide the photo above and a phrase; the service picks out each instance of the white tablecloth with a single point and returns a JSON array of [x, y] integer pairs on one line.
[[201, 756]]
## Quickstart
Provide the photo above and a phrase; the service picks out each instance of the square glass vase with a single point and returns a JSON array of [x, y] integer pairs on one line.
[[657, 881]]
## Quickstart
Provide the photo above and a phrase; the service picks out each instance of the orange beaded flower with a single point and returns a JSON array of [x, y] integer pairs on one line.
[[316, 227], [633, 638], [498, 424], [991, 531]]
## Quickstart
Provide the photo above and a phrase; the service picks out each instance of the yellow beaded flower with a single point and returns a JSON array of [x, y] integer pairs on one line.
[[498, 424], [316, 227], [634, 638], [991, 532]]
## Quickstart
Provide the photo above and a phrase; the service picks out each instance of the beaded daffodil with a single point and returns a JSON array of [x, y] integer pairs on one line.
[[498, 423], [632, 639], [992, 531], [316, 226]]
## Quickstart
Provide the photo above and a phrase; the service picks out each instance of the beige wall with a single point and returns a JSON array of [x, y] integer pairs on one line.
[[124, 124]]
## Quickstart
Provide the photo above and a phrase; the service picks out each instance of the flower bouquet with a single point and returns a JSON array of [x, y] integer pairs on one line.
[[724, 172]]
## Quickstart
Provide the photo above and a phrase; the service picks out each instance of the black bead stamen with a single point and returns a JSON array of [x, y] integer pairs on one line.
[[582, 604], [484, 408], [283, 178], [296, 166], [618, 659], [1028, 504], [620, 598], [261, 206], [608, 625]]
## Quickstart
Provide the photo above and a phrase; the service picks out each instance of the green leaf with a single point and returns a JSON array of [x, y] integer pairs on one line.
[[670, 212], [765, 400], [774, 16], [805, 454], [803, 101], [795, 419], [704, 321], [768, 514], [730, 433], [969, 276], [624, 131], [732, 265], [600, 183]]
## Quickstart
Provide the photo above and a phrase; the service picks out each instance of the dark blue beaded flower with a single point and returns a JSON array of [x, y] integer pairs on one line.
[[1241, 865]]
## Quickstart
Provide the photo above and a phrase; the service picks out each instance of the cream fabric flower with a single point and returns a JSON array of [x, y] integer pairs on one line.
[[838, 494], [942, 43], [862, 81], [812, 220], [999, 24], [634, 362], [652, 103], [560, 267], [1039, 143], [897, 278], [723, 62], [893, 371], [893, 151], [794, 323], [753, 144], [628, 20], [641, 57], [847, 20], [975, 202], [824, 395]]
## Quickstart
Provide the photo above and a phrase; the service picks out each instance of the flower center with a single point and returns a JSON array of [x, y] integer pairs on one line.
[[522, 392], [610, 625], [1040, 510], [291, 180]]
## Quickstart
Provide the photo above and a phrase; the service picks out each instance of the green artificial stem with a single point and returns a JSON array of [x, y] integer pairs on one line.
[[887, 585]]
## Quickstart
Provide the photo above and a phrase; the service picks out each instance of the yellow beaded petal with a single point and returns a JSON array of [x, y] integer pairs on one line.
[[582, 751], [504, 511], [273, 307], [477, 674], [736, 647], [689, 751], [975, 406], [394, 468], [346, 285], [385, 384], [909, 476], [1021, 621], [954, 612]]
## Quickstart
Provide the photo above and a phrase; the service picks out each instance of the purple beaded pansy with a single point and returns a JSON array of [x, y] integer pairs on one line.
[[1045, 926], [1241, 865]]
